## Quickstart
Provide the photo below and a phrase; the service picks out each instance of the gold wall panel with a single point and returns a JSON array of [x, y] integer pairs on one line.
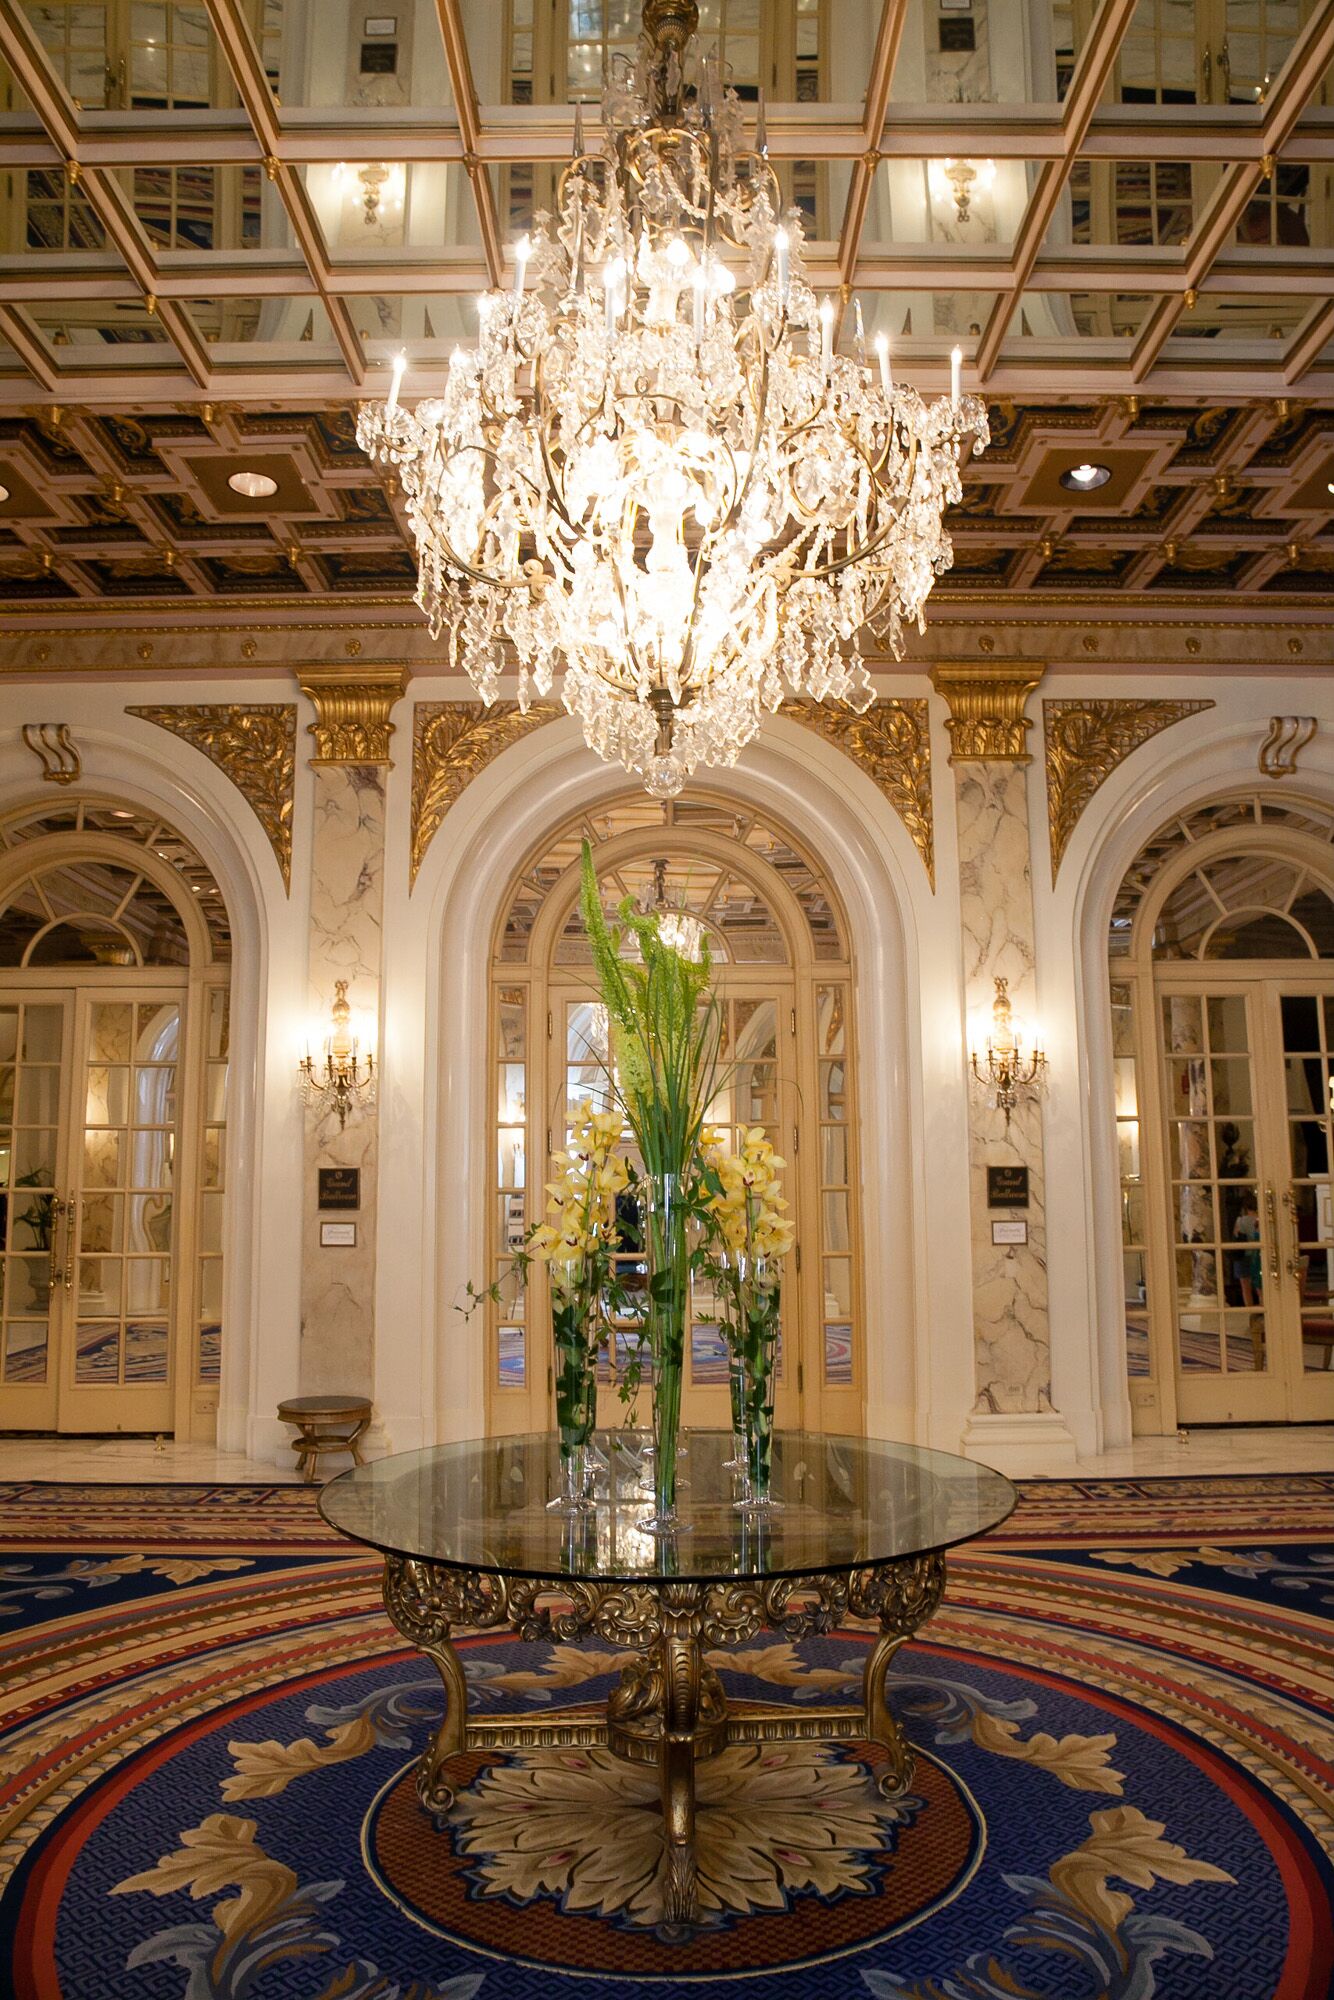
[[255, 746]]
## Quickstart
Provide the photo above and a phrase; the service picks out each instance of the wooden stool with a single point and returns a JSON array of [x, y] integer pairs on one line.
[[323, 1423]]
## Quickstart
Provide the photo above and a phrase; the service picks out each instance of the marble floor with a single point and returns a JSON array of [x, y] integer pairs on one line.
[[1276, 1448]]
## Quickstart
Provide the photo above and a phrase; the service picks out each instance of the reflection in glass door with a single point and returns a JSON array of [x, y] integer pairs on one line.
[[1308, 1260], [35, 1033], [122, 1216], [1248, 1073]]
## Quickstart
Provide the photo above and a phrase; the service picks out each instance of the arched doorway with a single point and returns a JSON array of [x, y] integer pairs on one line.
[[784, 977], [1222, 962], [114, 986]]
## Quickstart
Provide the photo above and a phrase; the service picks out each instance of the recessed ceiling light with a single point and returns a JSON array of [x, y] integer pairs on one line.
[[252, 485], [1083, 478], [1329, 487], [4, 494]]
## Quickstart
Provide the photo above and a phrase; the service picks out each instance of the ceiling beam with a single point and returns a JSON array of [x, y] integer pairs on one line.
[[469, 117], [1092, 70]]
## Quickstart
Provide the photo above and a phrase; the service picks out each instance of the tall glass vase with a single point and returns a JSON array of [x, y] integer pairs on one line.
[[759, 1299], [667, 1248], [576, 1395]]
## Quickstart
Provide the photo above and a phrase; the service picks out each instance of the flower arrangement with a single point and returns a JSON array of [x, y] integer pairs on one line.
[[665, 1027], [578, 1242], [749, 1235]]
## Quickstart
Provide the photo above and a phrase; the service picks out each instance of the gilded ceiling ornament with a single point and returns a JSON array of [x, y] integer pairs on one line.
[[1086, 740], [986, 722], [892, 744], [1288, 737], [352, 707], [53, 746], [452, 741], [254, 745]]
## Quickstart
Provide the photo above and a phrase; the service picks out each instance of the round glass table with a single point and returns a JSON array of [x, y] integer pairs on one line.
[[469, 1542]]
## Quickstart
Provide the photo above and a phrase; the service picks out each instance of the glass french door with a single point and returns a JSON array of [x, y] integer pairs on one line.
[[759, 1054], [1248, 1068], [89, 1156]]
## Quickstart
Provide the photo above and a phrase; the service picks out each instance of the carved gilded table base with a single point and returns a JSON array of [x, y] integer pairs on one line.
[[670, 1707]]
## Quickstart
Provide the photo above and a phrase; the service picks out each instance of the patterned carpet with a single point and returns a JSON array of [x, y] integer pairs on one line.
[[1125, 1783]]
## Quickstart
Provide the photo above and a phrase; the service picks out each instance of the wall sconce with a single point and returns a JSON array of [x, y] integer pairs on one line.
[[1004, 1069], [380, 188], [345, 1076], [962, 179]]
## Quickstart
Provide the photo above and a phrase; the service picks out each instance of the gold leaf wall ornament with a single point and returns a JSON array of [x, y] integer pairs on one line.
[[891, 742], [452, 742], [255, 746], [1086, 741]]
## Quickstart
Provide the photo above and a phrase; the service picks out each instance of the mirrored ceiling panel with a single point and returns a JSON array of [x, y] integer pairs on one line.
[[134, 55], [384, 209], [959, 204], [201, 207], [288, 329], [928, 323], [429, 327], [78, 330], [1110, 204], [41, 210], [379, 61], [1256, 318], [1077, 316]]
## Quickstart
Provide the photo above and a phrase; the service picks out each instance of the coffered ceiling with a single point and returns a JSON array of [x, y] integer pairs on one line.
[[218, 223]]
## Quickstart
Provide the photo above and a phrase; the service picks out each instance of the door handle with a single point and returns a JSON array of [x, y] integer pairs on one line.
[[1294, 1261], [1225, 65], [67, 1275], [54, 1248], [1208, 67], [1271, 1213]]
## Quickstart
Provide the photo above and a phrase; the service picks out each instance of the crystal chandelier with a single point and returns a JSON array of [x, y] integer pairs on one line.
[[655, 472]]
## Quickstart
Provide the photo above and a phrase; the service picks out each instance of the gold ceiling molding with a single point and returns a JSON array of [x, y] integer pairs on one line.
[[452, 741], [1086, 740], [352, 707], [987, 722], [253, 744], [891, 742]]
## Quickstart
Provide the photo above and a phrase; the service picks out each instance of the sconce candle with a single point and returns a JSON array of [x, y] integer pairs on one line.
[[345, 1075], [1004, 1069]]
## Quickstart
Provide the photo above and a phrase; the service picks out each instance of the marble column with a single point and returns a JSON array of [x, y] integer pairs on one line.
[[351, 734], [1011, 1336]]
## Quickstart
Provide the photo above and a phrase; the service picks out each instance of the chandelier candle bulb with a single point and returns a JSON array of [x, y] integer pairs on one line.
[[396, 380], [523, 250], [882, 356], [956, 375], [827, 337], [859, 333]]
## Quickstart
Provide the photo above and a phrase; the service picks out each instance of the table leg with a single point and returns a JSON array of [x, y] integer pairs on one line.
[[419, 1601], [306, 1454], [679, 1652], [902, 1596]]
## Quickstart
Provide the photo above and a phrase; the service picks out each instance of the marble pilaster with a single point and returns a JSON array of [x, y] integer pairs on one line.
[[350, 767], [988, 728]]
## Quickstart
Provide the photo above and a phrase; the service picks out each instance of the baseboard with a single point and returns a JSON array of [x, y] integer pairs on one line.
[[1026, 1443]]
